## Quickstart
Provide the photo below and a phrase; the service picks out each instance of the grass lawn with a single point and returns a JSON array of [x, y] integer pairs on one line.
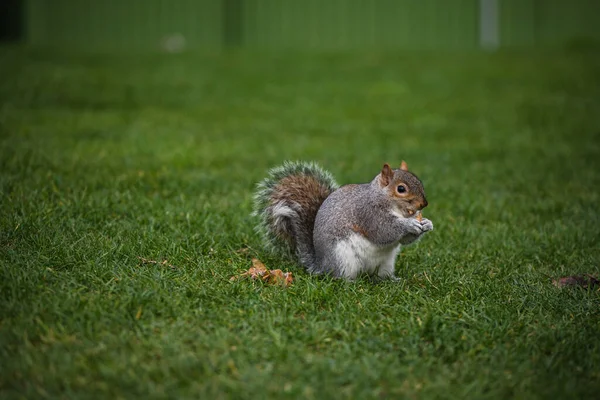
[[104, 159]]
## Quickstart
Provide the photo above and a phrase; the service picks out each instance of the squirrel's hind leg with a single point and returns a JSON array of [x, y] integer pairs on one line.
[[387, 267], [344, 261]]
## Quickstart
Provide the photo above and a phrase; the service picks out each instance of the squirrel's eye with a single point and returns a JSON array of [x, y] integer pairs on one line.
[[401, 189]]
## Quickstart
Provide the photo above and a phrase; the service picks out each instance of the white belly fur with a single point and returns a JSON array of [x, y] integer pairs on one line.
[[358, 255]]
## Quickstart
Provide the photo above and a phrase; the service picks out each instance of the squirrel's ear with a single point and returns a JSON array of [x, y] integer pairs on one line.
[[387, 175], [404, 166]]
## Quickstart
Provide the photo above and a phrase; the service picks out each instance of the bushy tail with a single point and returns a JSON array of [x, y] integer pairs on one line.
[[287, 202]]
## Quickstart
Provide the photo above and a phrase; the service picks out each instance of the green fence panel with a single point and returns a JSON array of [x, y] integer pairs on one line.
[[125, 24], [559, 21], [347, 24], [302, 24], [517, 19], [548, 23], [35, 17]]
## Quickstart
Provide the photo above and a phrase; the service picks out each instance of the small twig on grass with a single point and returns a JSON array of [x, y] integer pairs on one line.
[[163, 263]]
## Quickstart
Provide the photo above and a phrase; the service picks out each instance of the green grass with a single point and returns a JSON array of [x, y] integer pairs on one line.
[[105, 159]]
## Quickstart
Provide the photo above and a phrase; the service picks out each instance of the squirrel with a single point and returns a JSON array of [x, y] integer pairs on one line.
[[342, 231]]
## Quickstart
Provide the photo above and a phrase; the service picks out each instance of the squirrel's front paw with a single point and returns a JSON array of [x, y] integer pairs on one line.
[[415, 227], [415, 230], [426, 225]]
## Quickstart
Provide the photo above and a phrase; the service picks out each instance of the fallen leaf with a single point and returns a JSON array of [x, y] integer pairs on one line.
[[260, 271], [583, 281], [288, 279], [276, 277], [258, 265], [138, 315]]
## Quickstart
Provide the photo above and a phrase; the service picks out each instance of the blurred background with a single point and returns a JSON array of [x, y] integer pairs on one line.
[[179, 25]]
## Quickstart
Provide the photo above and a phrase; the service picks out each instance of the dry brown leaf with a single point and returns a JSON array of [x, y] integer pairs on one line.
[[260, 271], [279, 277], [583, 281], [256, 263], [289, 279]]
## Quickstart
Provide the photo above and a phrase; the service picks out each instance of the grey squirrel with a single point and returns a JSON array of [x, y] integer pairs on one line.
[[342, 231]]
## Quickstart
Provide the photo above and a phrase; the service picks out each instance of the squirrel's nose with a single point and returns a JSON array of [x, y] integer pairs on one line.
[[424, 203]]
